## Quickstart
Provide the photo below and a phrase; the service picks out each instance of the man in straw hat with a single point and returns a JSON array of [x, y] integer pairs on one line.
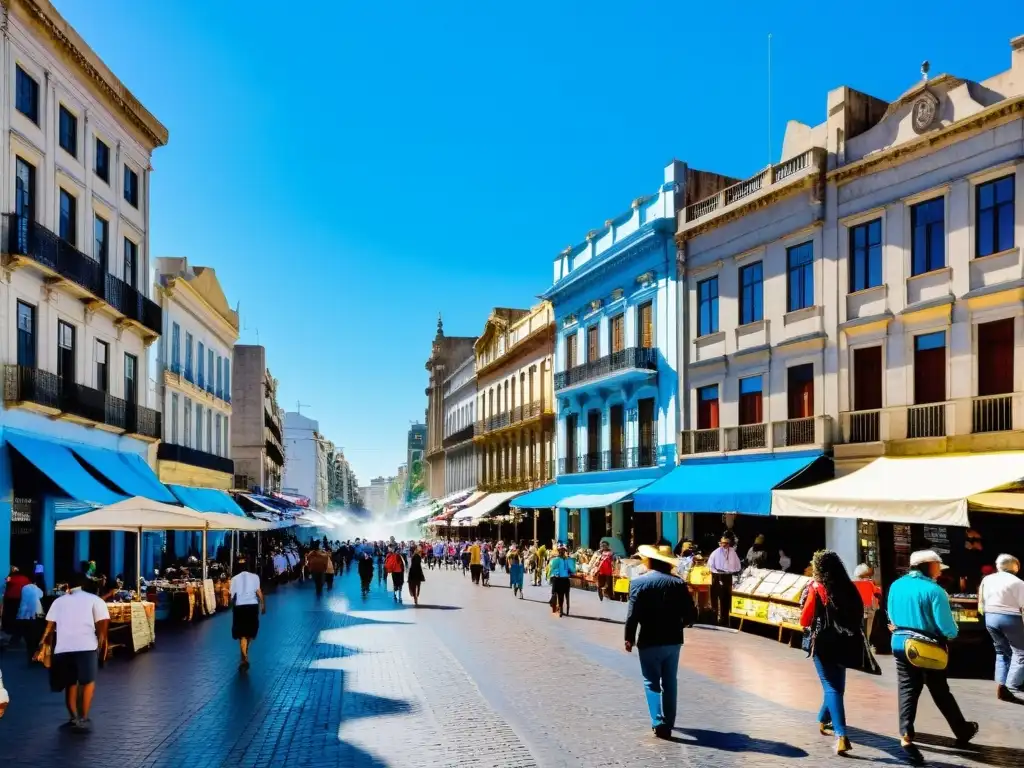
[[661, 604]]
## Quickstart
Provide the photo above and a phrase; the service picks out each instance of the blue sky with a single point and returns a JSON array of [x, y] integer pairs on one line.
[[352, 168]]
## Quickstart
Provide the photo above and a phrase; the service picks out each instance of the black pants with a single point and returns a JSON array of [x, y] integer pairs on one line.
[[318, 582], [912, 682], [560, 591], [721, 596], [330, 581], [32, 631], [475, 571]]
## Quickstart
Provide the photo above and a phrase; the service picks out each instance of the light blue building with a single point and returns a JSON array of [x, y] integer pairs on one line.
[[616, 382]]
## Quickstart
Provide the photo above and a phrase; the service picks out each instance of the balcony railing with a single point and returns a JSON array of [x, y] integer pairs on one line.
[[992, 413], [142, 421], [795, 432], [567, 466], [28, 238], [95, 405], [926, 420], [460, 436], [274, 446], [25, 384], [702, 441], [517, 415], [273, 425], [631, 358], [194, 458], [746, 437], [865, 426]]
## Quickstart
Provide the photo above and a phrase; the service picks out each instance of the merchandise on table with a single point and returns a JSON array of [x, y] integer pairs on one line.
[[769, 597]]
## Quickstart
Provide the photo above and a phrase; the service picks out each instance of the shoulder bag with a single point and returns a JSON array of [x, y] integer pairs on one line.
[[923, 650]]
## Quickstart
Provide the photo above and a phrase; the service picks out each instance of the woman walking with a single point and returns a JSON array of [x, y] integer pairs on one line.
[[247, 604], [329, 574], [559, 570], [833, 613], [365, 566], [416, 577], [516, 571], [1001, 601], [395, 565]]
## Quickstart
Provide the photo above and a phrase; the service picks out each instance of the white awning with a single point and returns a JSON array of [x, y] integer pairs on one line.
[[484, 507], [919, 489]]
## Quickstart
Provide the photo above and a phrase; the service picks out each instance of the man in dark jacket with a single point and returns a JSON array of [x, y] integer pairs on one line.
[[661, 604]]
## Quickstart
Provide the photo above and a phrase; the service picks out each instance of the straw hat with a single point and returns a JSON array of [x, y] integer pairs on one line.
[[662, 553]]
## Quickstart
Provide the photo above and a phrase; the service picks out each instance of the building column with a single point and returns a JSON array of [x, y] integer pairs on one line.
[[6, 500], [561, 524], [618, 523], [116, 553], [82, 547], [670, 527], [584, 528], [47, 531]]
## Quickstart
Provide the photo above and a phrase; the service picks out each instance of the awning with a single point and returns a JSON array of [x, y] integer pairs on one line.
[[921, 489], [472, 499], [579, 495], [741, 484], [136, 514], [485, 506], [544, 497], [206, 500], [59, 464], [128, 472]]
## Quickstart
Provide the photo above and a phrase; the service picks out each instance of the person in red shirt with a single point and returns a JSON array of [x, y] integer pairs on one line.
[[870, 595], [12, 599], [605, 571]]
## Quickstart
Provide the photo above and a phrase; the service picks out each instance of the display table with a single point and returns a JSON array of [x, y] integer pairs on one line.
[[182, 600], [140, 620], [769, 597]]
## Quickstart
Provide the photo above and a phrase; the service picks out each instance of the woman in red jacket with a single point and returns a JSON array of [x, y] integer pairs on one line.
[[833, 615]]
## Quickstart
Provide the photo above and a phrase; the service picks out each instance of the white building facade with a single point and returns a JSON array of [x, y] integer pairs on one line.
[[75, 298], [305, 462], [459, 417]]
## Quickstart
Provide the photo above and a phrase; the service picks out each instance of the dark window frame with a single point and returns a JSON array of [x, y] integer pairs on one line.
[[27, 339], [803, 271], [130, 274], [752, 293], [101, 251], [67, 131], [861, 256], [131, 394], [102, 169], [102, 369], [998, 211], [131, 187], [71, 227], [711, 301], [929, 260], [26, 87]]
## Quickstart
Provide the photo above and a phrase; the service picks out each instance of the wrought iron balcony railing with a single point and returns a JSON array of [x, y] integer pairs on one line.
[[631, 358], [194, 458], [25, 384], [143, 421]]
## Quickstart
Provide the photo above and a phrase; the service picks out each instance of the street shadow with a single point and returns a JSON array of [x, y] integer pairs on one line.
[[425, 607], [600, 619], [979, 753], [741, 742]]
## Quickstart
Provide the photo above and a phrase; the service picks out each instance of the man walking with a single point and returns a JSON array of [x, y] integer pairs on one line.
[[724, 564], [80, 621], [316, 564], [661, 605], [922, 624], [604, 569]]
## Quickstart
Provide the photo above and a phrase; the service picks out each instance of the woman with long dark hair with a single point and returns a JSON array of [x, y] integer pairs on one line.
[[247, 605], [416, 577], [833, 614]]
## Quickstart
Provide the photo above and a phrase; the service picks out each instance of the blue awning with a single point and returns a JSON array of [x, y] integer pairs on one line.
[[57, 462], [579, 495], [741, 484], [206, 500], [127, 471]]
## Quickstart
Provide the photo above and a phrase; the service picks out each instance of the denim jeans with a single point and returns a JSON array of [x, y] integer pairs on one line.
[[833, 684], [659, 664], [1008, 637]]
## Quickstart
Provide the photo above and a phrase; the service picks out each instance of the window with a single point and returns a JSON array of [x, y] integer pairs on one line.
[[26, 335], [26, 98], [102, 160], [220, 380], [994, 216], [617, 333], [199, 427], [570, 442], [707, 407], [866, 255], [209, 368], [209, 430], [800, 391], [707, 306], [101, 231], [131, 187], [65, 354], [102, 367], [645, 325], [68, 217], [867, 378], [201, 360], [750, 400], [930, 368], [24, 197], [131, 379], [995, 357], [570, 350], [187, 423], [131, 263], [174, 418], [175, 348], [68, 131], [216, 442], [800, 277], [751, 293], [188, 355], [928, 246], [593, 344], [227, 381]]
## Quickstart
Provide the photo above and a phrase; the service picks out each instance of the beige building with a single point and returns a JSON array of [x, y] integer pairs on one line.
[[514, 430], [446, 354], [257, 432]]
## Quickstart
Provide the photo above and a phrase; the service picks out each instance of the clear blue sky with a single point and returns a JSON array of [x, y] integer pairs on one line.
[[352, 168]]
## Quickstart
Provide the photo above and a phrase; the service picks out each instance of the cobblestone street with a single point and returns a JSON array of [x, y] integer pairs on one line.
[[471, 677]]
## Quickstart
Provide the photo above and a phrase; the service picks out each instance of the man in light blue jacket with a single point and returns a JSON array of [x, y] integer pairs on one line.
[[917, 604]]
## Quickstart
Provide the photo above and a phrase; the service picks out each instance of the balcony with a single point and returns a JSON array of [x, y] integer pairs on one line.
[[794, 433], [701, 441], [992, 413], [143, 422], [26, 241], [273, 425], [629, 363], [813, 431], [25, 385], [746, 437], [49, 393], [626, 458], [460, 436], [274, 448], [194, 458], [739, 196], [518, 415]]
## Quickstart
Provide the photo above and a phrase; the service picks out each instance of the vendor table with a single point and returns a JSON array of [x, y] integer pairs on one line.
[[769, 597], [136, 618]]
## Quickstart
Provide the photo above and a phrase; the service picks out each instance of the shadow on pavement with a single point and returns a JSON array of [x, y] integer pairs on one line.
[[424, 607], [740, 742], [979, 753]]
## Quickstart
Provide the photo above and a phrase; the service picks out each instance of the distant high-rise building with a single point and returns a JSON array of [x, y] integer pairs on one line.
[[256, 432]]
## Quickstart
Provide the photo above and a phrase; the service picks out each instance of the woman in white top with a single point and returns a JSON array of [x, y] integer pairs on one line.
[[247, 605], [1001, 600], [4, 698]]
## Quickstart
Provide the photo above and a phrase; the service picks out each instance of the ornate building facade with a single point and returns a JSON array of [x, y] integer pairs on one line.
[[446, 353]]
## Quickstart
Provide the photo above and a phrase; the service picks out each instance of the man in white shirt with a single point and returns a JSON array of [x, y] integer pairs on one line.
[[80, 621], [1001, 600], [724, 563]]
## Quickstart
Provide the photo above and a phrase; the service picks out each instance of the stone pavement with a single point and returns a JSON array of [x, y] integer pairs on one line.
[[473, 677]]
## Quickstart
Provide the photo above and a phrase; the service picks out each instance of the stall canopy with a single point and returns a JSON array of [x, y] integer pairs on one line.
[[545, 497], [128, 472], [921, 489], [596, 495], [136, 514], [485, 506], [58, 463], [206, 500], [741, 484]]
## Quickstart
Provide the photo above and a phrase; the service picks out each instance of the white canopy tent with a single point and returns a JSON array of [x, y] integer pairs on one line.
[[935, 490], [483, 508]]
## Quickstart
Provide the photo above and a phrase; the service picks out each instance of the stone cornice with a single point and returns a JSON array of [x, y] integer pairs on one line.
[[1003, 112], [45, 18], [221, 326]]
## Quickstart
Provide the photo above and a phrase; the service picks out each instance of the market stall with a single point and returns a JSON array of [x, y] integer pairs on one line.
[[769, 597]]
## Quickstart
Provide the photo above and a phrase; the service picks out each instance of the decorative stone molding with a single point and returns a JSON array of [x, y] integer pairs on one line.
[[617, 294], [646, 278], [569, 320], [595, 305]]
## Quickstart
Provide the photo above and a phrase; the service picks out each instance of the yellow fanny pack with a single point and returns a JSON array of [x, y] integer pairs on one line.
[[924, 652]]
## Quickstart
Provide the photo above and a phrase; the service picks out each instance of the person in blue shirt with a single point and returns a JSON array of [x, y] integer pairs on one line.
[[917, 604], [559, 570]]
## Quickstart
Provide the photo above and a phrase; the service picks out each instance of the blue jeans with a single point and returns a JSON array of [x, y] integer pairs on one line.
[[833, 683], [1008, 637], [659, 665]]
